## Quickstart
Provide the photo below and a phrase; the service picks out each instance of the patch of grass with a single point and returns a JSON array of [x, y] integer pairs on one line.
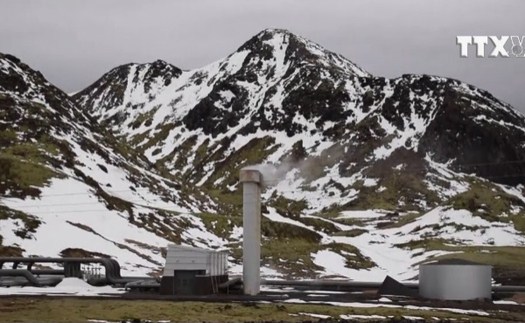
[[353, 221], [121, 146], [23, 174], [143, 118], [402, 220], [201, 153], [23, 168], [489, 202], [430, 244], [286, 207], [291, 256], [81, 310], [137, 139], [350, 233], [29, 222], [273, 230], [178, 158], [319, 225], [183, 152], [164, 223], [29, 225], [400, 186], [163, 132], [294, 210], [254, 152], [331, 212], [404, 189], [81, 253], [334, 212], [354, 258], [308, 188], [519, 221], [8, 136], [10, 251], [507, 256], [229, 202], [221, 225], [314, 167]]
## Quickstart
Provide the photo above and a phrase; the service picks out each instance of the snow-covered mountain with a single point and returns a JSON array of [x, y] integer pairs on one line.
[[68, 187], [369, 175]]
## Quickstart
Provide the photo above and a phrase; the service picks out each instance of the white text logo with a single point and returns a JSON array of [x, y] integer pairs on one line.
[[502, 46]]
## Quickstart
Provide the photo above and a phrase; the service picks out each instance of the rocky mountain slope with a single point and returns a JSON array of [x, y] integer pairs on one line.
[[68, 187], [369, 176]]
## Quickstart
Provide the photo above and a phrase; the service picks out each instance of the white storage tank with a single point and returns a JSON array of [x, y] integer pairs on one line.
[[184, 258], [455, 279]]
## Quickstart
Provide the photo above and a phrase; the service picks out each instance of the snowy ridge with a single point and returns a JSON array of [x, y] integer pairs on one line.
[[279, 40]]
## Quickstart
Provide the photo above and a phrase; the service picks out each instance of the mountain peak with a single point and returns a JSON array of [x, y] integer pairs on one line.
[[150, 77], [275, 31], [158, 68], [160, 64], [22, 83], [298, 51]]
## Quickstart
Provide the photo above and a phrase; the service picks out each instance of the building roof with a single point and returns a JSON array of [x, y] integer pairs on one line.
[[455, 261], [192, 249]]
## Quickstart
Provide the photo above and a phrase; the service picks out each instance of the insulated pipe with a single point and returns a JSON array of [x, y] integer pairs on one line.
[[112, 266], [328, 283], [316, 284], [47, 272], [508, 288], [251, 220], [21, 273]]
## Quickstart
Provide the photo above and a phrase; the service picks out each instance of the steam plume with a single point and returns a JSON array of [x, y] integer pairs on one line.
[[273, 173]]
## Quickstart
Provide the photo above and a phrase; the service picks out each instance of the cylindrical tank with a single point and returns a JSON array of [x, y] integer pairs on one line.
[[455, 279]]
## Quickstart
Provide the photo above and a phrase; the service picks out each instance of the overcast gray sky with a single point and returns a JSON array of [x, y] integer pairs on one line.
[[74, 42]]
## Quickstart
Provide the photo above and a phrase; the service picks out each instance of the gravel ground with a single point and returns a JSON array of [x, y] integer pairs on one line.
[[361, 298], [334, 321], [508, 276], [507, 312]]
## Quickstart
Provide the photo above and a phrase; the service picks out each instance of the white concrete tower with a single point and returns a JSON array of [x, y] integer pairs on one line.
[[251, 219]]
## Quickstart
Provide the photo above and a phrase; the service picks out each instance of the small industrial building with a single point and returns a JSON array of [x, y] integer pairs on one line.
[[193, 271], [455, 280]]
